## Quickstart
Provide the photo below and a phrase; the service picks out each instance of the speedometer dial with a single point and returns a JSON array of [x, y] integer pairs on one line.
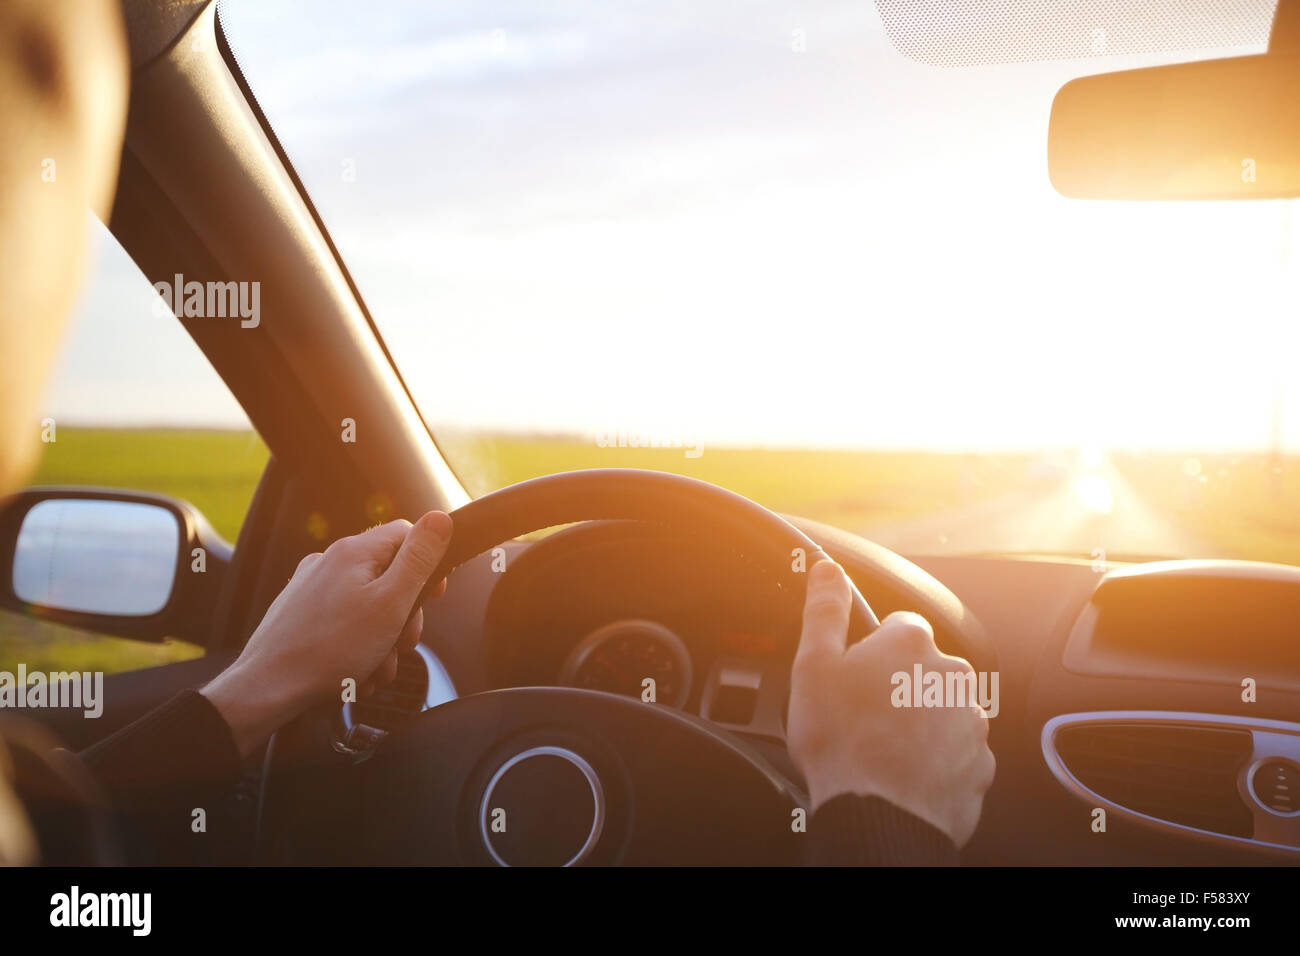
[[634, 658]]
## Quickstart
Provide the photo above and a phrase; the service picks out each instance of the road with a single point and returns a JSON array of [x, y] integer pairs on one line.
[[1078, 512]]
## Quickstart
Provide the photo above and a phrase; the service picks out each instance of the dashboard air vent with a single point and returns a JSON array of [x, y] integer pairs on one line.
[[1181, 774], [397, 703]]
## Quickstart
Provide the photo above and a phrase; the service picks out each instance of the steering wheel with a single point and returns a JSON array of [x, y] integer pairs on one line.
[[557, 775]]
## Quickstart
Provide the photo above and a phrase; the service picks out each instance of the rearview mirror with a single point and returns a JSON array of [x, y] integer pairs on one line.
[[1216, 129], [113, 562]]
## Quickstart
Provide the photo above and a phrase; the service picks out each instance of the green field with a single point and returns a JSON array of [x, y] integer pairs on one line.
[[216, 471], [1241, 506], [850, 489]]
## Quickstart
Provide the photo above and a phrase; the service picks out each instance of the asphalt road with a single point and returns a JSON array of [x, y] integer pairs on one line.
[[1079, 512]]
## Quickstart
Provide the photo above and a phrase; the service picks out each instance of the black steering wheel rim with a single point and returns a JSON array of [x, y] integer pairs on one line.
[[635, 494]]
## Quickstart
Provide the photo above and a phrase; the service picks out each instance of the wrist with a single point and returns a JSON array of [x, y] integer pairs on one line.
[[822, 791], [252, 708]]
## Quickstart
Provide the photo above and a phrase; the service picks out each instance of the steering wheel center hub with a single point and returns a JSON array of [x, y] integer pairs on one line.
[[545, 806]]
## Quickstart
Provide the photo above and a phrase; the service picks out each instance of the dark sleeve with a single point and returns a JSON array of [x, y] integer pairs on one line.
[[853, 830], [182, 746], [156, 771]]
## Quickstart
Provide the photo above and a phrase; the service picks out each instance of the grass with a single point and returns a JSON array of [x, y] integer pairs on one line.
[[46, 647], [216, 471], [1241, 506], [849, 489]]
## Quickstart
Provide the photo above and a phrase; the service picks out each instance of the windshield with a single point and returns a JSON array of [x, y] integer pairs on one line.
[[758, 244]]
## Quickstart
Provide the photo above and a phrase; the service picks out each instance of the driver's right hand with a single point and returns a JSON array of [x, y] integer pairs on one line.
[[845, 733]]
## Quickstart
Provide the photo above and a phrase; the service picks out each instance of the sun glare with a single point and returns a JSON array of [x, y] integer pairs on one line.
[[1094, 493]]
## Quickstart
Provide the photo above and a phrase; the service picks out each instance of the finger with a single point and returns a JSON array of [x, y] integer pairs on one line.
[[988, 769], [388, 534], [950, 663], [307, 561], [386, 672], [431, 590], [373, 547], [377, 546], [418, 556], [411, 632], [907, 634], [826, 612]]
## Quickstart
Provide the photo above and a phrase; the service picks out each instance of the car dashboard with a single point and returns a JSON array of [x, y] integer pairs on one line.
[[1149, 713]]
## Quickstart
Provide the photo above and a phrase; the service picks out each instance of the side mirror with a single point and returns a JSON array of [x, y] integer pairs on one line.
[[115, 562]]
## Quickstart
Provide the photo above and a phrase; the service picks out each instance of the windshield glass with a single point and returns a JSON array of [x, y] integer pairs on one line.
[[758, 244]]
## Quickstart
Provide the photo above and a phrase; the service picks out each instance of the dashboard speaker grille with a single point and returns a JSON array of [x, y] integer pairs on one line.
[[1182, 774]]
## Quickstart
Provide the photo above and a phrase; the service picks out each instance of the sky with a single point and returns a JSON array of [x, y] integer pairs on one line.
[[748, 223]]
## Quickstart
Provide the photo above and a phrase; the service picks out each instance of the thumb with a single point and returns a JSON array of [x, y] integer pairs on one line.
[[826, 611], [419, 555]]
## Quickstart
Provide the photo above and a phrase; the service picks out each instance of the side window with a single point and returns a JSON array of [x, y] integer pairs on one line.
[[133, 405]]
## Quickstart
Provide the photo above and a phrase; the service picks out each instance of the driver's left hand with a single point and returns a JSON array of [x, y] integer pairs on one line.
[[345, 615]]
